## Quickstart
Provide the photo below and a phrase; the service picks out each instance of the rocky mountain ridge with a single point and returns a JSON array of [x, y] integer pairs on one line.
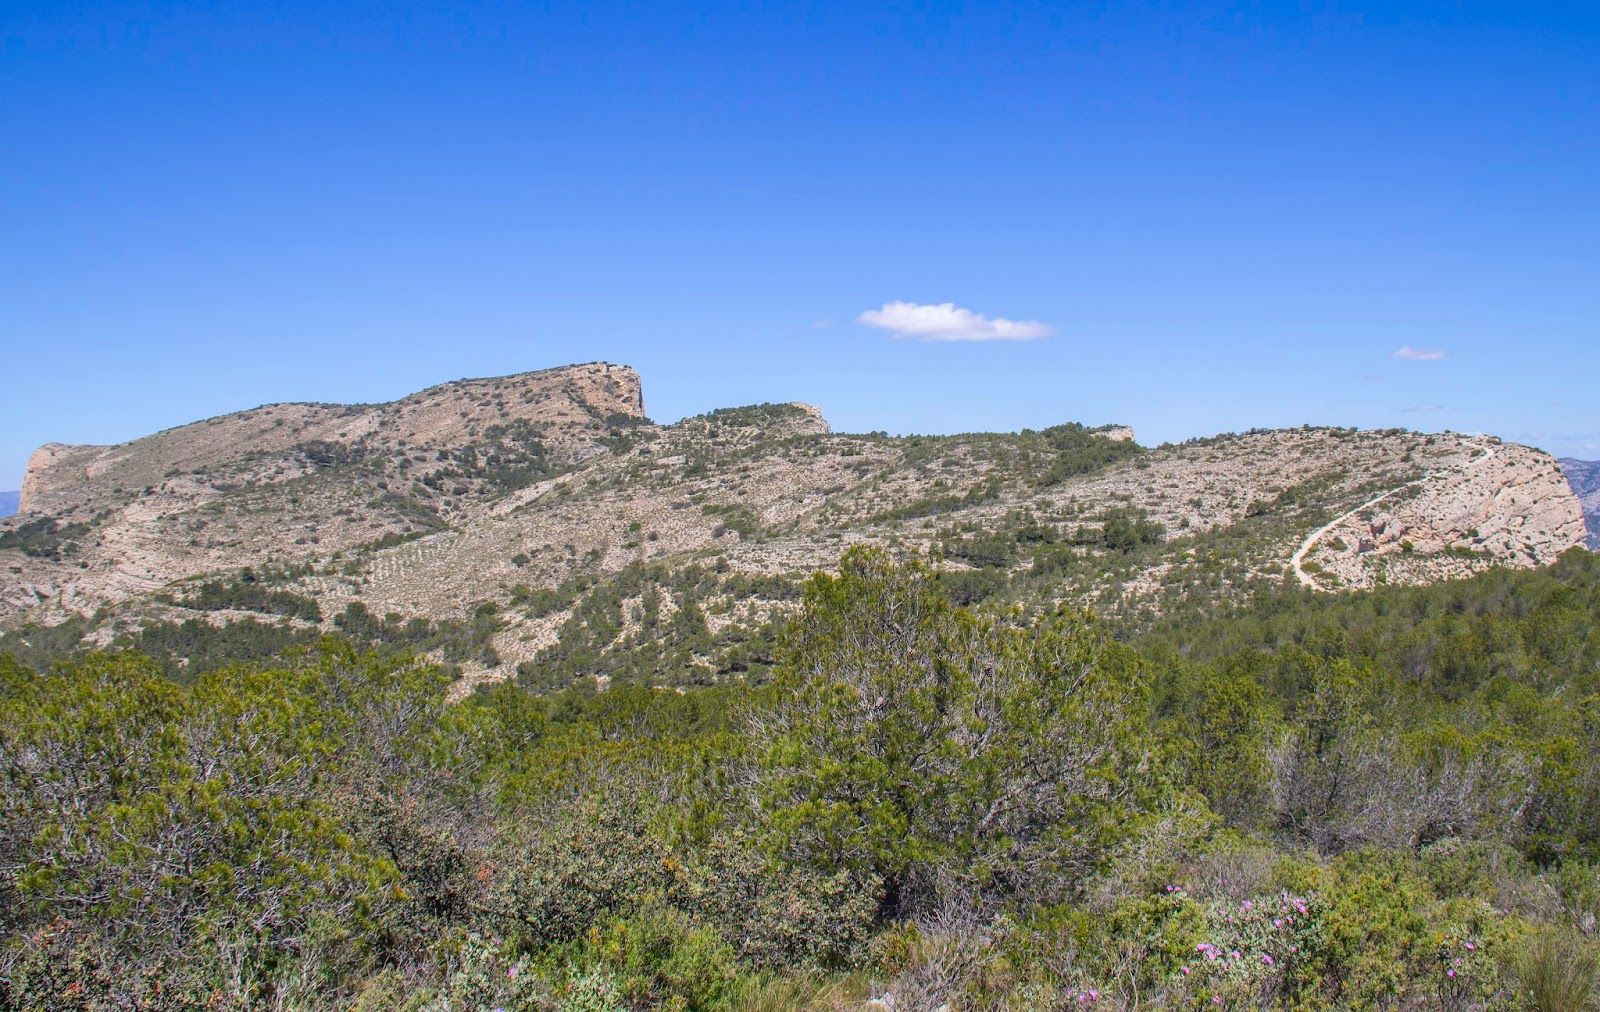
[[565, 534], [296, 480]]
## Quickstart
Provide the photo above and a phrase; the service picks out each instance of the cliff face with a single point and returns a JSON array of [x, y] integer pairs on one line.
[[1584, 477], [1503, 504], [51, 468]]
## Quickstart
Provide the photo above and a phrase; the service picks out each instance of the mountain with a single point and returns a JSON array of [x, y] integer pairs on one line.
[[540, 522], [1584, 476], [8, 503]]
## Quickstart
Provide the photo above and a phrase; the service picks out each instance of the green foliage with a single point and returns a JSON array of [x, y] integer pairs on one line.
[[202, 823], [191, 648], [1557, 972], [647, 624], [510, 456], [1077, 450], [1382, 800], [44, 538], [247, 594], [1125, 530], [456, 641], [911, 736], [784, 914]]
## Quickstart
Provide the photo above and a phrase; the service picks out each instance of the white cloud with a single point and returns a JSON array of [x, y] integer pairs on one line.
[[949, 322], [1410, 354]]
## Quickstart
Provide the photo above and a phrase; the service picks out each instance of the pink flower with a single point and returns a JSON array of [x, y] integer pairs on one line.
[[512, 973], [1450, 973], [1216, 999], [1471, 947], [1277, 922], [1266, 959], [1094, 995], [1184, 970], [1247, 906], [1234, 954]]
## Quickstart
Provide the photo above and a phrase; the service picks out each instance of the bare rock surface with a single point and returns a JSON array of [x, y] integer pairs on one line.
[[1584, 477]]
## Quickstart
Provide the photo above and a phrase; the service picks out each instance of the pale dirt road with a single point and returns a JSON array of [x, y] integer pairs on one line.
[[1297, 560]]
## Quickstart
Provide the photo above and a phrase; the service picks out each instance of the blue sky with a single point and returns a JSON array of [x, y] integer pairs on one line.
[[1224, 215]]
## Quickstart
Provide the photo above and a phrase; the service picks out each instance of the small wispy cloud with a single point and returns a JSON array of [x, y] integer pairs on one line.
[[1423, 409], [946, 321], [1410, 354]]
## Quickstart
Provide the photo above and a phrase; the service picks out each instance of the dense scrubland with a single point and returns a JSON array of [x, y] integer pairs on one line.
[[1379, 800]]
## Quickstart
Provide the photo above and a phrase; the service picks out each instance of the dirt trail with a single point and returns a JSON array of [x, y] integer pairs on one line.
[[1297, 560]]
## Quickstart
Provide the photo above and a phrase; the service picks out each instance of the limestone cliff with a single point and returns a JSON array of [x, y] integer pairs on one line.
[[1502, 505], [1584, 477]]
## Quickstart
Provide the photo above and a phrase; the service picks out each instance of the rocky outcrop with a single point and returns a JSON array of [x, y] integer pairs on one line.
[[1502, 505], [52, 469], [1584, 477]]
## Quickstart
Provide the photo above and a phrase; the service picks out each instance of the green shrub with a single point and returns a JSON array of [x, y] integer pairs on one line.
[[1557, 971]]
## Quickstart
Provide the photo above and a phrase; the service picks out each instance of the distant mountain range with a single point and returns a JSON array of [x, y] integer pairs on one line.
[[8, 503], [1584, 477], [555, 525]]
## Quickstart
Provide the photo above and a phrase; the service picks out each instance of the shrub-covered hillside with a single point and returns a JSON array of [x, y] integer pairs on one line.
[[1379, 800]]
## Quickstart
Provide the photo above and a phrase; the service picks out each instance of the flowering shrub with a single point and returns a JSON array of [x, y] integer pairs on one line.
[[485, 979], [1463, 976], [1256, 952]]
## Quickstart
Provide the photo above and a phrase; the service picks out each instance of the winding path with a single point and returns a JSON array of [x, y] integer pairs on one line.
[[1297, 561]]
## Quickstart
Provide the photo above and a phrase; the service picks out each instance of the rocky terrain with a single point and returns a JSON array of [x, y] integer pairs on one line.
[[541, 523], [99, 524], [1584, 475]]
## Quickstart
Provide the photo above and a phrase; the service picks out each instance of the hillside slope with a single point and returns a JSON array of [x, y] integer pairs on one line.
[[292, 481], [568, 536]]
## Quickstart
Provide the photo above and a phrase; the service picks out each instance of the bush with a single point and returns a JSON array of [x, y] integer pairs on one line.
[[1556, 971], [912, 740], [779, 914]]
